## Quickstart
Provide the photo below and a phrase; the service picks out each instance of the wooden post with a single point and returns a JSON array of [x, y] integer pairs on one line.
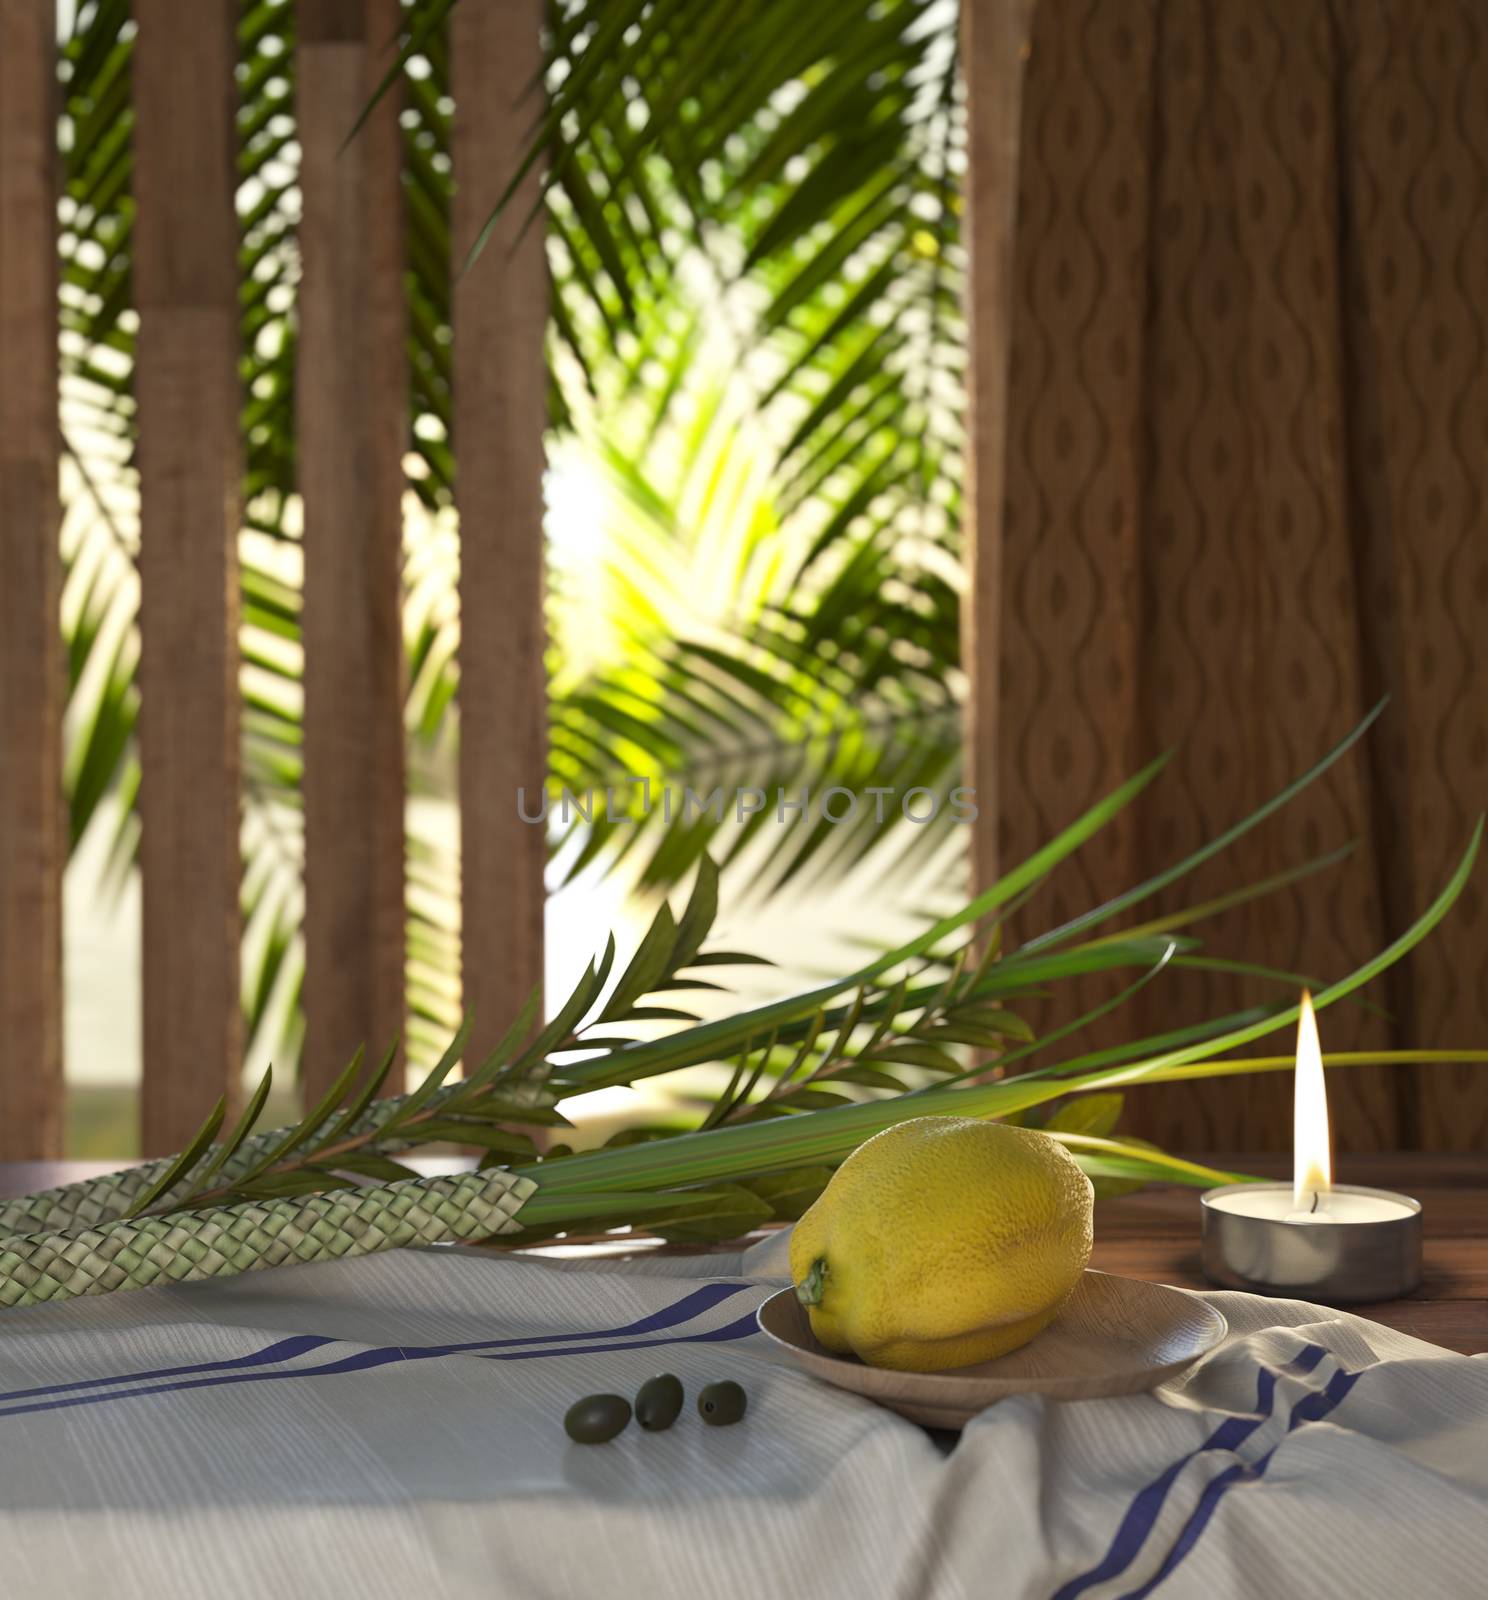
[[186, 384], [351, 419], [32, 836], [994, 49], [500, 314]]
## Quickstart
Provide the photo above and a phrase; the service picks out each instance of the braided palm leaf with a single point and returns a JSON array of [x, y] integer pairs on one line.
[[95, 1202], [222, 1241]]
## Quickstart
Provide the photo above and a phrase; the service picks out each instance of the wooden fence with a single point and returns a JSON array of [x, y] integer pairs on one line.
[[351, 426]]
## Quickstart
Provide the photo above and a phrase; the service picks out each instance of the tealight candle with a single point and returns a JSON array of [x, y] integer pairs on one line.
[[1310, 1238]]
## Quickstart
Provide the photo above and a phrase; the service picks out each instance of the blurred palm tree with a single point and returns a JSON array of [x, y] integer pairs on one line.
[[756, 353]]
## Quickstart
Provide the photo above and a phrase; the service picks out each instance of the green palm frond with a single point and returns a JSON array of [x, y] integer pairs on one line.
[[813, 1074]]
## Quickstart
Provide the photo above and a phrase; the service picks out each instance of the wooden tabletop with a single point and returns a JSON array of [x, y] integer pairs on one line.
[[1155, 1234]]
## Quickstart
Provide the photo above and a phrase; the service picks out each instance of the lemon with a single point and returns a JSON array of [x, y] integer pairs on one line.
[[943, 1241]]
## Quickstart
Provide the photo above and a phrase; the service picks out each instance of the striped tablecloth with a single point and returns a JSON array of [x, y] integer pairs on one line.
[[392, 1427]]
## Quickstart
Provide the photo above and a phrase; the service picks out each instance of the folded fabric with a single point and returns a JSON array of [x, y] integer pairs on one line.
[[393, 1427]]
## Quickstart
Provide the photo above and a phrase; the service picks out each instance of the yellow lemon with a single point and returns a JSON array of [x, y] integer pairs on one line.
[[943, 1241]]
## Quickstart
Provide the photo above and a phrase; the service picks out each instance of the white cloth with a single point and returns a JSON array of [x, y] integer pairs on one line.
[[393, 1427]]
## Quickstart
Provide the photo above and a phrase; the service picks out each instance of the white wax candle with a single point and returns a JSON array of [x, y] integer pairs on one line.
[[1274, 1202]]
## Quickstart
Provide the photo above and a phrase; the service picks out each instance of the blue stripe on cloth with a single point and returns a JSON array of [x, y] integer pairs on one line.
[[703, 1299], [1142, 1514], [283, 1350], [365, 1360], [1311, 1408]]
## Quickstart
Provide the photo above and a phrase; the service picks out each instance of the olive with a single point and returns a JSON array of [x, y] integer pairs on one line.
[[659, 1401], [596, 1418], [722, 1403]]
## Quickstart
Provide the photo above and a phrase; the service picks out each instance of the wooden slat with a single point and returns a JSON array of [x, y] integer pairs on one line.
[[186, 385], [994, 48], [32, 837], [500, 407], [351, 419]]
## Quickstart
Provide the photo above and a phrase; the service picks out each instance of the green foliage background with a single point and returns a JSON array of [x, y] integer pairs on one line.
[[756, 352]]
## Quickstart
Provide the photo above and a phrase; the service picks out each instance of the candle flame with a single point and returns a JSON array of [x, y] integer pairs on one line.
[[1312, 1160]]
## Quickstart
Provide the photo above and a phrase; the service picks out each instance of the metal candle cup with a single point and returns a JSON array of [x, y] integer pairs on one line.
[[1309, 1239], [1366, 1246]]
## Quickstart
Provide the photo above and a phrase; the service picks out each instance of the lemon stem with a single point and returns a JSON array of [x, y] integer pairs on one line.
[[809, 1289]]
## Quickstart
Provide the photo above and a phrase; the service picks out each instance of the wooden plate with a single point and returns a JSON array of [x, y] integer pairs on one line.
[[1116, 1336]]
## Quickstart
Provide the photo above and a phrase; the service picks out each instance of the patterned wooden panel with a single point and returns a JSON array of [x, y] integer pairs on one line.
[[1246, 494], [1071, 614], [1416, 208], [32, 831]]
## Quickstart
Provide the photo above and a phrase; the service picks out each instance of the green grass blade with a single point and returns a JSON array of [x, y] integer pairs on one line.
[[1239, 1066], [362, 1099], [1173, 1039], [413, 1103], [748, 1149], [1407, 941], [697, 919], [721, 1040], [184, 1162], [424, 25], [507, 1045], [1018, 970], [1118, 1159], [241, 1129], [304, 1131], [1112, 908], [1236, 897], [1253, 969], [645, 969], [1067, 1029]]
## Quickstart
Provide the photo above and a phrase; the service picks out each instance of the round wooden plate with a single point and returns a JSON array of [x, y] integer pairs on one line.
[[1116, 1336]]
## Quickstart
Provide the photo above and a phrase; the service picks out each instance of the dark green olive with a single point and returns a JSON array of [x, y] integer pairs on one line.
[[597, 1418], [722, 1403], [658, 1402]]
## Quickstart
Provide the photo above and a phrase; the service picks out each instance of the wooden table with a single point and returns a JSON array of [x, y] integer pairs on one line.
[[1155, 1234]]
